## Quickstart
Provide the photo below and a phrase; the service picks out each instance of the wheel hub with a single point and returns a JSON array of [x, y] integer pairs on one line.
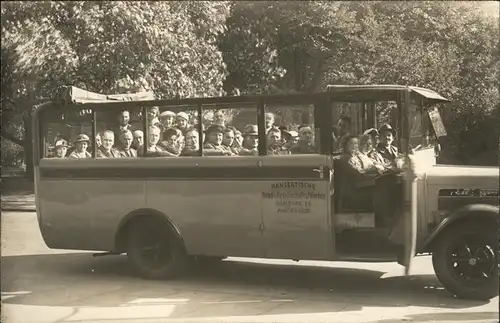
[[472, 261]]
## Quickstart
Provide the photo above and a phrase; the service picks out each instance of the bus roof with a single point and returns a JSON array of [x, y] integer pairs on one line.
[[382, 92], [346, 93]]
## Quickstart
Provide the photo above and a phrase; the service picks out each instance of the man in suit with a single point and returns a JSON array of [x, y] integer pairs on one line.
[[385, 147], [123, 123], [106, 150], [388, 189], [126, 139]]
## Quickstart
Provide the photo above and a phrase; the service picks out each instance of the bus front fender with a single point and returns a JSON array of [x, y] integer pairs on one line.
[[472, 212]]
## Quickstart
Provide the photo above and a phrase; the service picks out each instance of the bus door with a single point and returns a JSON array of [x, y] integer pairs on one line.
[[296, 207]]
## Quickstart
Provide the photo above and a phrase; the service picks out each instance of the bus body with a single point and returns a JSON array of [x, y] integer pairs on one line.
[[261, 205]]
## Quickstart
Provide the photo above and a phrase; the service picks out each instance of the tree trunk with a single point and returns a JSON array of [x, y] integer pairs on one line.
[[28, 147]]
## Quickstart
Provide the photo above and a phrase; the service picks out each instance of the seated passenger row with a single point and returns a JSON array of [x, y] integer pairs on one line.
[[167, 138]]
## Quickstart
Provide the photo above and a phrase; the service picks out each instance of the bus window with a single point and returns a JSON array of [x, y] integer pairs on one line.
[[230, 130], [67, 134], [179, 130], [290, 129], [119, 132]]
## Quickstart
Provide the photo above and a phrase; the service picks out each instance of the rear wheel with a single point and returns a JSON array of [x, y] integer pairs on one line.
[[153, 251], [465, 260]]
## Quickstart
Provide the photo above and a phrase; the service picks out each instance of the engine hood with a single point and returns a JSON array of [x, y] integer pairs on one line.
[[463, 176]]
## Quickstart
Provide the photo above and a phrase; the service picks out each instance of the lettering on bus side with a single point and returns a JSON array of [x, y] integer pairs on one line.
[[292, 197]]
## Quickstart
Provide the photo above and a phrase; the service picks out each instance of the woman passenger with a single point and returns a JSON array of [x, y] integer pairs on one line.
[[152, 114], [368, 152], [171, 138], [354, 160], [81, 145]]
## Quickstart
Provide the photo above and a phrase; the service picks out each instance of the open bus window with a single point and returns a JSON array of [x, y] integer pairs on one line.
[[179, 131], [230, 130], [290, 129], [119, 132], [67, 134]]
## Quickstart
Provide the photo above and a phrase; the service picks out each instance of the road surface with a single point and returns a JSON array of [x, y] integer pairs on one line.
[[48, 286]]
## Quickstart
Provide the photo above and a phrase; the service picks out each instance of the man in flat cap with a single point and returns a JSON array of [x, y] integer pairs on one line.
[[250, 141]]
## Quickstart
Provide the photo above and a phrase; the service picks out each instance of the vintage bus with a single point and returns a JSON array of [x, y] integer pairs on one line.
[[263, 176]]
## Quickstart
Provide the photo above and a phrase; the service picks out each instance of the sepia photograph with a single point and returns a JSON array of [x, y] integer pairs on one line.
[[250, 161]]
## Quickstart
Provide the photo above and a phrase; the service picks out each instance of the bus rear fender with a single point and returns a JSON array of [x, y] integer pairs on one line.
[[140, 214], [469, 213]]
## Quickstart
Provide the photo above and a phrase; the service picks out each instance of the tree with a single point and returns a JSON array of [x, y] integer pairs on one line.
[[108, 47], [447, 46]]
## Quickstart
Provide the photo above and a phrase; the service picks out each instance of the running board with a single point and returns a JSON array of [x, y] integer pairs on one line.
[[109, 253]]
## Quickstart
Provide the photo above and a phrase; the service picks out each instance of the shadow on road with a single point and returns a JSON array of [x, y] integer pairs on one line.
[[80, 280]]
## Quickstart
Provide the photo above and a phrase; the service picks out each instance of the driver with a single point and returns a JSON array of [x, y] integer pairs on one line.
[[385, 147]]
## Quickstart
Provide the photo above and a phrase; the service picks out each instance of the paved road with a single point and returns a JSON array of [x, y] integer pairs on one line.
[[46, 286]]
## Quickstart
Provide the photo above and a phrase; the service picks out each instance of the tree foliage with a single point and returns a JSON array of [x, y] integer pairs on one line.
[[110, 47], [446, 46]]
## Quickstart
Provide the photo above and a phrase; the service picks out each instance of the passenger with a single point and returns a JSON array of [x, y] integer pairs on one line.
[[368, 152], [250, 146], [98, 140], [138, 139], [388, 190], [60, 149], [192, 146], [306, 142], [219, 118], [81, 145], [274, 143], [123, 123], [126, 139], [228, 139], [291, 139], [170, 142], [269, 121], [213, 145], [373, 132], [152, 114], [357, 162], [155, 150], [183, 122], [106, 150], [238, 140], [354, 183], [167, 119], [344, 129], [385, 147]]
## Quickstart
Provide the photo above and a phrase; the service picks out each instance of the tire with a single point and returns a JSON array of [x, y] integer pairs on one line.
[[154, 252], [459, 256]]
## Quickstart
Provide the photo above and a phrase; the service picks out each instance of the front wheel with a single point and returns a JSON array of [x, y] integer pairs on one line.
[[465, 260], [153, 251]]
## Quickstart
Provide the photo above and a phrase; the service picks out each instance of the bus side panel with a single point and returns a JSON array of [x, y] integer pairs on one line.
[[83, 214], [296, 211], [215, 217]]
